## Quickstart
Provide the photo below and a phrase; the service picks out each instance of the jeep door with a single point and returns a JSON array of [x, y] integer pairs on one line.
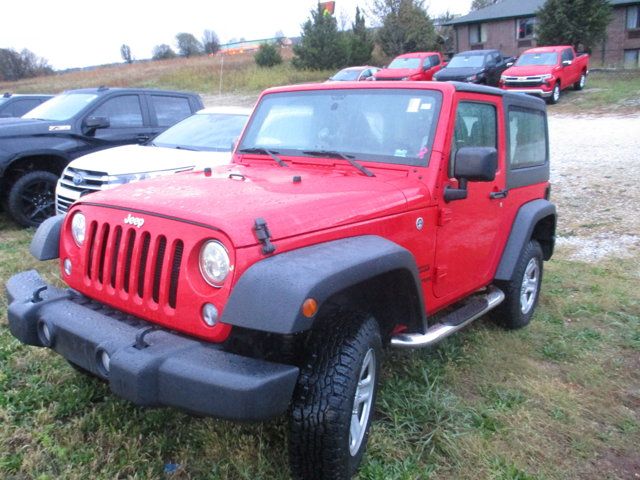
[[128, 121], [469, 230]]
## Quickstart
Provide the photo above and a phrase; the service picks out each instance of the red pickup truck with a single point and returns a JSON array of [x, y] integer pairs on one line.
[[418, 66], [545, 71]]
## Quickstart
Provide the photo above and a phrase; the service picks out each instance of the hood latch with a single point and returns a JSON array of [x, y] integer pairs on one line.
[[264, 236]]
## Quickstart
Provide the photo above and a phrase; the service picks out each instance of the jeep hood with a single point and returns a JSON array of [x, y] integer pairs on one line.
[[528, 70], [138, 159], [324, 198]]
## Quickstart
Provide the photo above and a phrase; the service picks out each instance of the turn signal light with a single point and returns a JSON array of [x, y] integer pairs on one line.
[[309, 307]]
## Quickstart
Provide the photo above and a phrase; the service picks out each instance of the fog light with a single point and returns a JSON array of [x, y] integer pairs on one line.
[[210, 314], [44, 334], [104, 362], [67, 266]]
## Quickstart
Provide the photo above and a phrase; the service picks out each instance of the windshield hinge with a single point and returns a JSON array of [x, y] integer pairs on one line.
[[264, 236]]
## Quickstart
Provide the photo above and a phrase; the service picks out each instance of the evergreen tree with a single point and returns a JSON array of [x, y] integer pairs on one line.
[[581, 23], [406, 26], [360, 41], [268, 55], [322, 46]]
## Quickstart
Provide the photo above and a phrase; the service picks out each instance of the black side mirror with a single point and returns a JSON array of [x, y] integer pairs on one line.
[[472, 164], [91, 124]]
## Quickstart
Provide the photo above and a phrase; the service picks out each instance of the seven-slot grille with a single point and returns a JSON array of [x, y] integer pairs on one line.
[[134, 263]]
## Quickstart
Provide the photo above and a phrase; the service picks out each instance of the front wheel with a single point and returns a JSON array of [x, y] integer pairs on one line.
[[555, 94], [334, 399], [579, 85], [32, 198], [523, 290]]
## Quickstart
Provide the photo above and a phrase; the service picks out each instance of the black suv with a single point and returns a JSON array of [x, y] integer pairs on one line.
[[475, 66], [35, 149], [16, 105]]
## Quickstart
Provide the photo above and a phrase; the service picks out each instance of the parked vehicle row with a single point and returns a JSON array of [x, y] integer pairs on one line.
[[542, 71], [35, 148], [351, 218], [16, 105]]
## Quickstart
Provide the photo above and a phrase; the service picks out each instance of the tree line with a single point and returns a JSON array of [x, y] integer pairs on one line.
[[16, 65]]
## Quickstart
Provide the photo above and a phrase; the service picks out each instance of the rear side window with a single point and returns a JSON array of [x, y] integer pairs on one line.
[[123, 111], [475, 127], [527, 138], [21, 107], [170, 110]]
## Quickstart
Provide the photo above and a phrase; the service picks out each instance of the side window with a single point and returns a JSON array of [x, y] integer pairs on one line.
[[21, 107], [170, 110], [527, 138], [476, 126], [435, 60], [123, 111], [567, 54]]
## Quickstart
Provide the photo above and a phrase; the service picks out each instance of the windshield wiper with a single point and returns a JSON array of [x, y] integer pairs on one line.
[[348, 158], [265, 151], [184, 147]]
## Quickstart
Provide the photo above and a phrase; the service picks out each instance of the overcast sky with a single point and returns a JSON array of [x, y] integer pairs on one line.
[[77, 33]]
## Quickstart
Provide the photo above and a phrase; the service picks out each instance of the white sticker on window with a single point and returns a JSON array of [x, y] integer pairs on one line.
[[414, 105], [425, 106], [400, 153]]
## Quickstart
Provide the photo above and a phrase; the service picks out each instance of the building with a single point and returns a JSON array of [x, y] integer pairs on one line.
[[510, 26]]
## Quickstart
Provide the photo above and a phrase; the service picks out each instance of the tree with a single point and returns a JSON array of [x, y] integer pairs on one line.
[[406, 26], [321, 47], [25, 64], [188, 45], [210, 42], [445, 33], [268, 55], [581, 23], [163, 52], [478, 4], [125, 53], [280, 38], [360, 41]]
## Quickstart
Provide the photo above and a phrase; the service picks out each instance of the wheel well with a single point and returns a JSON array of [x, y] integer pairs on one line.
[[544, 232], [392, 298], [48, 163]]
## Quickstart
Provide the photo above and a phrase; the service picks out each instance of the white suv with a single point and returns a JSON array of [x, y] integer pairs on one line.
[[204, 139]]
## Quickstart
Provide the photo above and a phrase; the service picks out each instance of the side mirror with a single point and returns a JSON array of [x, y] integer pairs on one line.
[[472, 164], [566, 63], [91, 124], [510, 64]]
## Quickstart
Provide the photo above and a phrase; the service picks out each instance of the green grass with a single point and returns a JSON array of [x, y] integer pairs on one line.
[[557, 400]]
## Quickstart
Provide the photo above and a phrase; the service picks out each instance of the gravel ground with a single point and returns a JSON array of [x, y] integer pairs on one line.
[[595, 175]]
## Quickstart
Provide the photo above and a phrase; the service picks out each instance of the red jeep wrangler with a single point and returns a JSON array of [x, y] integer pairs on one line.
[[354, 216]]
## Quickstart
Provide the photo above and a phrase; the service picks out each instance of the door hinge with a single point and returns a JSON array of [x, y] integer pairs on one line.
[[444, 216]]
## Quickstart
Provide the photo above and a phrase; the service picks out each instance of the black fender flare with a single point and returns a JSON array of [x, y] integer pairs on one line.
[[522, 230], [45, 244], [61, 156], [269, 294]]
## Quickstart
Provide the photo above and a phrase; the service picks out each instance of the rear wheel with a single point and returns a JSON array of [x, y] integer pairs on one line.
[[32, 198], [335, 397], [523, 290], [579, 85]]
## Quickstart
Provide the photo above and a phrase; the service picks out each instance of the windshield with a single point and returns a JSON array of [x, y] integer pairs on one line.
[[61, 107], [204, 131], [466, 61], [381, 125], [346, 75], [550, 58], [411, 63]]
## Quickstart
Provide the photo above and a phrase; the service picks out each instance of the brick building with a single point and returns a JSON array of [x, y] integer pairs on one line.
[[510, 26]]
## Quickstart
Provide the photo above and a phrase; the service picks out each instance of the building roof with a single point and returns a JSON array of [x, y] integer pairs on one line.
[[512, 9]]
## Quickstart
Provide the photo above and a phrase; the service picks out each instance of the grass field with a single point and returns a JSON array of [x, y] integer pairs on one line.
[[557, 400]]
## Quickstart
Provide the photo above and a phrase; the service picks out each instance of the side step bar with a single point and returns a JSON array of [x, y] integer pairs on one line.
[[452, 322]]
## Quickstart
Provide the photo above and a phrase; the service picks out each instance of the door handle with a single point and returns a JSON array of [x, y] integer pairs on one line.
[[499, 194]]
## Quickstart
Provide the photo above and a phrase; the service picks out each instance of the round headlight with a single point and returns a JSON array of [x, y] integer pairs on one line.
[[214, 263], [78, 228]]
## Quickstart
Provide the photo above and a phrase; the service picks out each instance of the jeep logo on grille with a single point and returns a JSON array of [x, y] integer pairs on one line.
[[129, 220]]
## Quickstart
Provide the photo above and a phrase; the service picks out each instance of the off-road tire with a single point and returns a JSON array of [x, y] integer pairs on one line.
[[321, 411], [555, 95], [579, 85], [31, 198], [518, 307]]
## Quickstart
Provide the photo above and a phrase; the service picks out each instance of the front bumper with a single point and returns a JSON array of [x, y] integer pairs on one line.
[[146, 365], [531, 91]]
